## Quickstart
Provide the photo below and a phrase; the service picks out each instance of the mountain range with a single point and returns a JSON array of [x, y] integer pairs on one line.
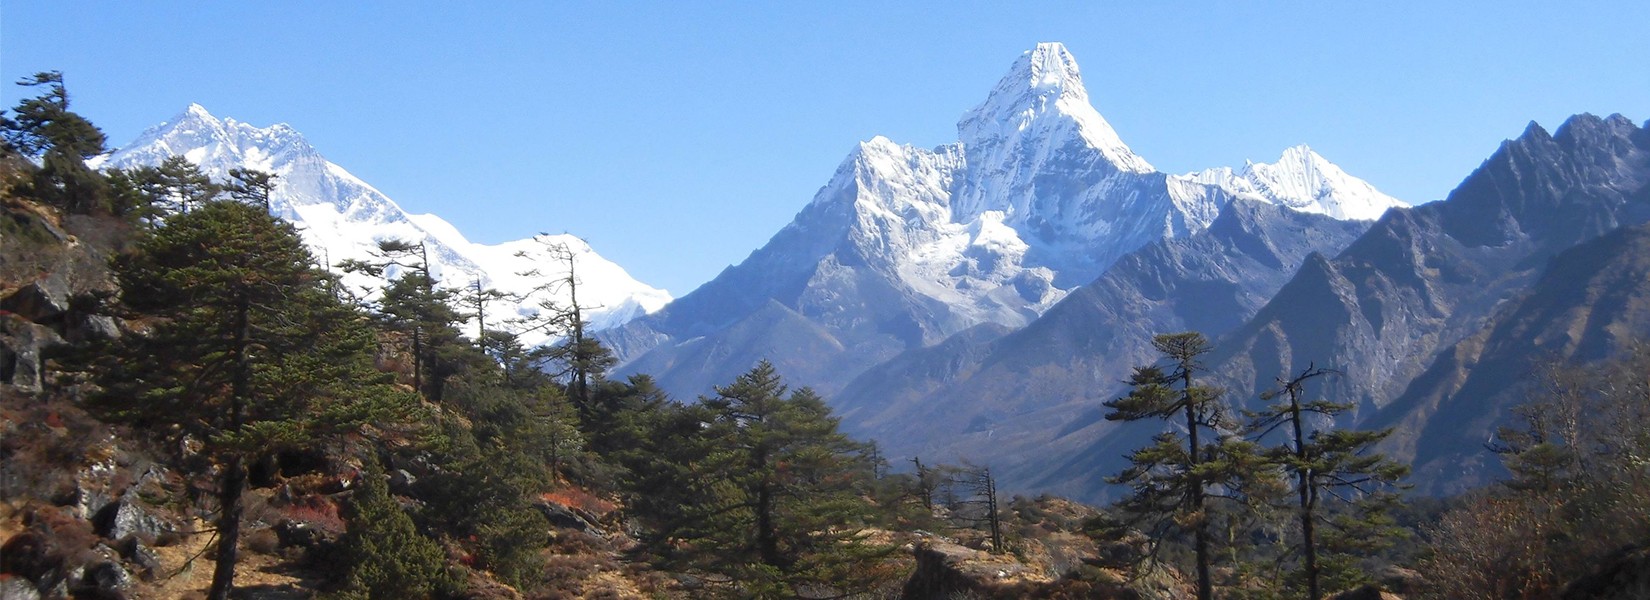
[[342, 217], [980, 300], [905, 247], [1435, 318]]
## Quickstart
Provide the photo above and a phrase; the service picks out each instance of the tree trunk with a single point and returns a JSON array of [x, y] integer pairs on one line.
[[229, 529], [1308, 499], [233, 479], [1200, 536], [991, 507], [767, 537]]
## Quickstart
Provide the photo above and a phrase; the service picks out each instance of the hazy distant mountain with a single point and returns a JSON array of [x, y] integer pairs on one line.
[[342, 217], [905, 246]]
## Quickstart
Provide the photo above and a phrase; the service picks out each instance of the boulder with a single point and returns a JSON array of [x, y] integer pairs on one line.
[[89, 496], [90, 328], [563, 517], [947, 570], [107, 580], [139, 555], [23, 347], [17, 588], [128, 518], [44, 301], [300, 534], [401, 482]]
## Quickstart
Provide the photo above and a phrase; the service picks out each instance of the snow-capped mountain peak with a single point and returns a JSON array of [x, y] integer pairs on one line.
[[1041, 94], [341, 217], [1305, 181]]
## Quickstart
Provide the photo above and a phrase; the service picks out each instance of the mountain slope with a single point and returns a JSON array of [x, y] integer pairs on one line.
[[1422, 279], [1416, 293], [342, 217], [1010, 398], [1591, 303], [904, 246]]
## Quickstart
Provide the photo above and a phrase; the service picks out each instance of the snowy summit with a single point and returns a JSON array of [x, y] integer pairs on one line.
[[342, 217], [907, 246]]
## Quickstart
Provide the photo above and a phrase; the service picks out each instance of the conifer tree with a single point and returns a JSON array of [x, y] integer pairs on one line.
[[779, 503], [177, 184], [44, 128], [250, 353], [1326, 463], [386, 557], [1171, 480], [415, 305], [582, 358], [251, 186]]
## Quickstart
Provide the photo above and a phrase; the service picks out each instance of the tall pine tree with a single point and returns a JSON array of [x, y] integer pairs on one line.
[[1327, 463], [249, 354], [779, 504], [1171, 480], [44, 128]]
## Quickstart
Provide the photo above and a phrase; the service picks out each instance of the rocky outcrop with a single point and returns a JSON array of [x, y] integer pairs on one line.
[[946, 570], [569, 518], [43, 301], [128, 518], [38, 318], [24, 347]]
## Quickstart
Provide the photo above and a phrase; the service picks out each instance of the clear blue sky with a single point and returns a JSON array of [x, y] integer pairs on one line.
[[678, 136]]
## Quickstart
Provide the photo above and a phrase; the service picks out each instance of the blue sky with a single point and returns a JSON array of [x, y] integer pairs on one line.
[[678, 136]]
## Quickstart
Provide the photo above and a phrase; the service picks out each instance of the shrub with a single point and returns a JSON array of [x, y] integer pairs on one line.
[[386, 556]]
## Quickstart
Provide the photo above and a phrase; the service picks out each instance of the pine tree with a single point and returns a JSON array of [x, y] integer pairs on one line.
[[1327, 463], [779, 503], [177, 184], [44, 128], [251, 186], [1171, 479], [415, 305], [250, 353]]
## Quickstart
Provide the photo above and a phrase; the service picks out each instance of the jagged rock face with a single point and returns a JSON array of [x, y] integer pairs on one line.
[[342, 217], [1416, 295], [1015, 397], [905, 246], [1591, 302]]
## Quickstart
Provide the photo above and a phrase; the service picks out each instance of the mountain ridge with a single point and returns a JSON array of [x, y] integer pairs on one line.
[[905, 246], [341, 216]]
